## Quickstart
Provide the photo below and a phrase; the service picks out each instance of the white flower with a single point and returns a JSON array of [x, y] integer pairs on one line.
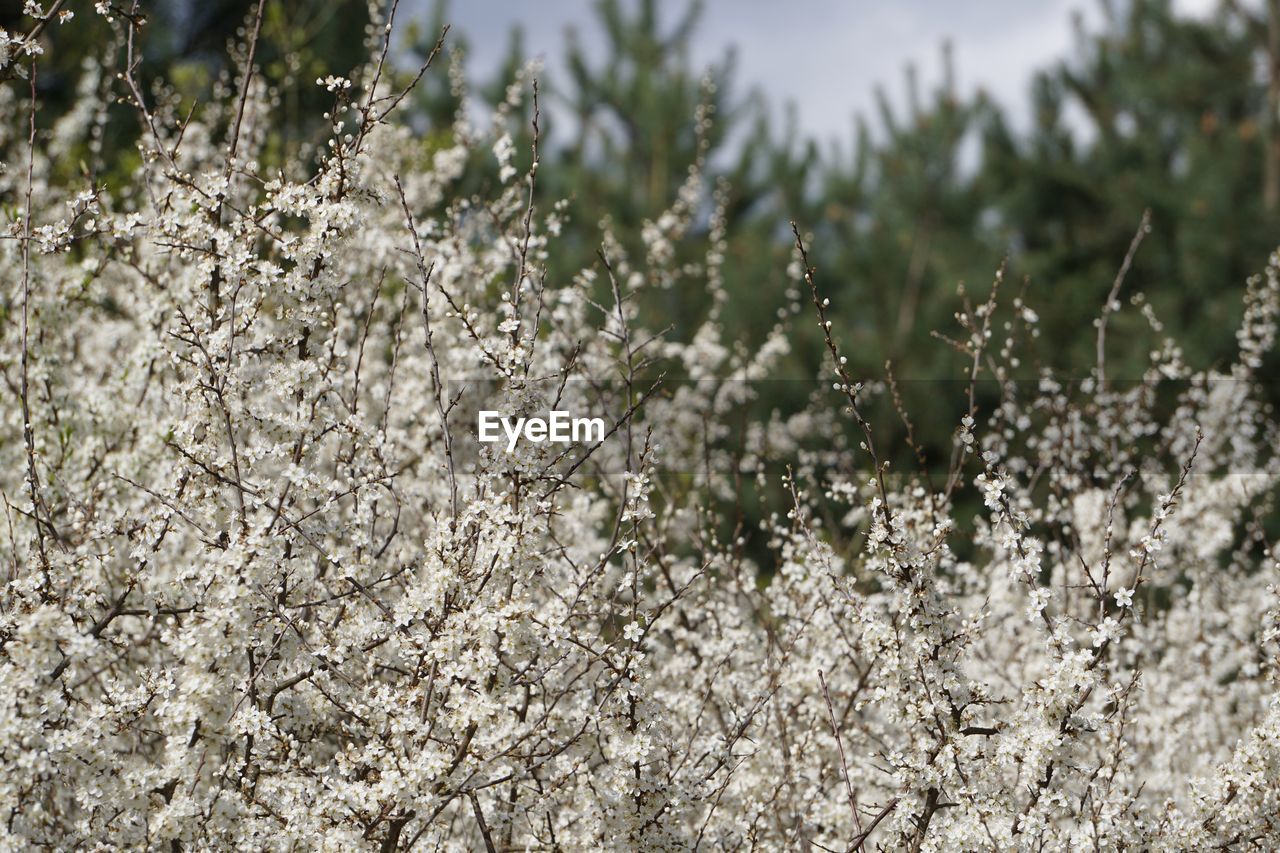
[[504, 149], [333, 84], [1104, 633]]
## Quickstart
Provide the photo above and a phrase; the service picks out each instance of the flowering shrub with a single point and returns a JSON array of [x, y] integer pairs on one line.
[[258, 596]]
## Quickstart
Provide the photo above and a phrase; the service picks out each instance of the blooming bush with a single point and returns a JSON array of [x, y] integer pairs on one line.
[[262, 592]]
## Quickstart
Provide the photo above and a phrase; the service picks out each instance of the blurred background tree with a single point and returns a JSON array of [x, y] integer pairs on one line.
[[1160, 112]]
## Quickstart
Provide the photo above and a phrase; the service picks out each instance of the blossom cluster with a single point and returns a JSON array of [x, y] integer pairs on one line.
[[255, 598]]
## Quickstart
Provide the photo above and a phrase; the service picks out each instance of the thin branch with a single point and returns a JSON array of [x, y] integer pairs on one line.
[[1144, 227]]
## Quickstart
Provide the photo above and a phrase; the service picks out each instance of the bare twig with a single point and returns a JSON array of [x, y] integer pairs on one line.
[[1144, 227], [424, 271], [844, 764], [28, 433]]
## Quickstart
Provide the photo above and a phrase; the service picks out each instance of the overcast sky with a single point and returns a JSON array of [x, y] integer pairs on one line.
[[826, 56]]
